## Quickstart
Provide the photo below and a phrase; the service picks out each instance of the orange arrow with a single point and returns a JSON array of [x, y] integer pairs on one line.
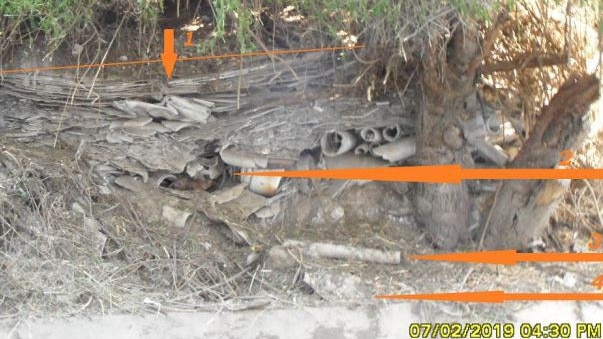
[[195, 58], [510, 257], [437, 174], [168, 57], [493, 296], [189, 39], [484, 297]]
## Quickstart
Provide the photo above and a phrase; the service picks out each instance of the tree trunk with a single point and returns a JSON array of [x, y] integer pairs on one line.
[[448, 98], [521, 209]]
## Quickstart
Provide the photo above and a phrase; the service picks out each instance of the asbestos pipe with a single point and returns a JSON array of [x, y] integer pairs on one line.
[[392, 132], [237, 158], [371, 135], [349, 160], [493, 124], [365, 148], [335, 143], [265, 186], [397, 151]]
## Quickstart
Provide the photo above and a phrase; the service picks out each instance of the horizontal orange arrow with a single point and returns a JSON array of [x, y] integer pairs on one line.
[[510, 257], [494, 296], [202, 57], [443, 174], [452, 174]]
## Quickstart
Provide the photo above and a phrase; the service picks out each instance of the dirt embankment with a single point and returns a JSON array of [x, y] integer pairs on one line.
[[116, 185]]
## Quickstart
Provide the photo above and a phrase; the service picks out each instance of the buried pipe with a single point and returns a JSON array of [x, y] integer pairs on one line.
[[335, 143], [365, 148], [371, 135], [392, 132]]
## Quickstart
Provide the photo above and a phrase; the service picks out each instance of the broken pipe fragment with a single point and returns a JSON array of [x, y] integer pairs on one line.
[[396, 151], [239, 158], [189, 108], [266, 186], [175, 217], [350, 160]]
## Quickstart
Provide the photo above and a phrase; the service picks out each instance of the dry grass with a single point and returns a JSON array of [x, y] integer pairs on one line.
[[65, 248]]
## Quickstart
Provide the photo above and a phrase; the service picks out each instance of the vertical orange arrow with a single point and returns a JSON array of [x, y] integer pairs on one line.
[[189, 39], [168, 57]]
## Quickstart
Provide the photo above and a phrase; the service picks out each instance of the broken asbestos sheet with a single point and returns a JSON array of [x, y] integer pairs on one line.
[[170, 108], [201, 128], [162, 154], [190, 109], [144, 109], [230, 206], [238, 201]]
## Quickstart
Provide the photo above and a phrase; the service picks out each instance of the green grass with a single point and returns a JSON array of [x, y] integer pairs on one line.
[[60, 19], [56, 18], [380, 22], [243, 18]]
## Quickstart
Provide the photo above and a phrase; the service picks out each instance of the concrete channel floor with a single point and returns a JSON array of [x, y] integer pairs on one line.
[[386, 320]]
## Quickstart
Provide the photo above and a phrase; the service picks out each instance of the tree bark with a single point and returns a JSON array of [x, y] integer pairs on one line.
[[521, 209], [449, 97]]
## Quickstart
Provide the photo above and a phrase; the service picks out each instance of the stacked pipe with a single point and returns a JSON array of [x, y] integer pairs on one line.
[[384, 143]]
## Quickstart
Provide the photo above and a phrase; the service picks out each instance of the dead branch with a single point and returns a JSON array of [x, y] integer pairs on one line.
[[530, 60], [489, 39]]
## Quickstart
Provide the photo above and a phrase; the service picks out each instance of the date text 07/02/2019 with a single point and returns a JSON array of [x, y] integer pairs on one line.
[[504, 330]]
